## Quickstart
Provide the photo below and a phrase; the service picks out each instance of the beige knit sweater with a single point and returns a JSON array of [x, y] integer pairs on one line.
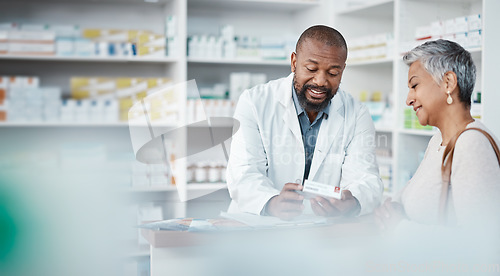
[[475, 181]]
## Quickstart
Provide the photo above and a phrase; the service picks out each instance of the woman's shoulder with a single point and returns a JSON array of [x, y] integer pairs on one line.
[[474, 138], [475, 145]]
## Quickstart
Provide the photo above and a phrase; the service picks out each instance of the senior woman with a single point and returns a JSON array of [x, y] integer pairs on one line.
[[441, 79]]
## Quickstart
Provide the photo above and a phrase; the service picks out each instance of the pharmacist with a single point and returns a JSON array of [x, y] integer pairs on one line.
[[304, 127]]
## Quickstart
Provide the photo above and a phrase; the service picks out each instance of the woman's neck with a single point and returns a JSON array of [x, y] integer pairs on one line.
[[456, 119]]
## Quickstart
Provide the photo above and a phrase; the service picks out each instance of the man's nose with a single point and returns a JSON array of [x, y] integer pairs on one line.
[[320, 79]]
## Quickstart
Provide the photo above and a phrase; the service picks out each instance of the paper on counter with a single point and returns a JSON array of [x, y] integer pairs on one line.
[[268, 221]]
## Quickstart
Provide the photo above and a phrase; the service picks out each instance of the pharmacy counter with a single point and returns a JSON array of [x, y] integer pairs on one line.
[[304, 250]]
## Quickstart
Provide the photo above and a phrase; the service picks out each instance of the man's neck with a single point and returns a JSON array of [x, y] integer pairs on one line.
[[312, 115]]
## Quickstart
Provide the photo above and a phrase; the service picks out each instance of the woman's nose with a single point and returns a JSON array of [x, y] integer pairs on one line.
[[409, 100]]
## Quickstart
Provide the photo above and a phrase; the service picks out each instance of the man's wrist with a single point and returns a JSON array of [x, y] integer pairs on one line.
[[265, 211], [354, 211]]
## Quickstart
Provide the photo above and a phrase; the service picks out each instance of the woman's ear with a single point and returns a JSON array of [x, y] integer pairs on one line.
[[450, 81]]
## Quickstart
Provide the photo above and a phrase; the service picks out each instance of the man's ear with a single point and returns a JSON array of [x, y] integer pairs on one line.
[[293, 59], [450, 81]]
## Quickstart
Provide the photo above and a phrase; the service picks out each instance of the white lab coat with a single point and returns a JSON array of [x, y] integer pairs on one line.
[[267, 150]]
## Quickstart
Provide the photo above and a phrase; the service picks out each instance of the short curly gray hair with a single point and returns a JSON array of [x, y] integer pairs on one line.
[[441, 56]]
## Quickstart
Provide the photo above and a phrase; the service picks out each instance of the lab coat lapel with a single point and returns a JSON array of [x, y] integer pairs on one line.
[[290, 118], [328, 132]]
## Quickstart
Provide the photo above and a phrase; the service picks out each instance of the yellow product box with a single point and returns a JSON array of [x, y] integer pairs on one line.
[[110, 35], [125, 104], [131, 87], [155, 82], [124, 115], [151, 51], [85, 87], [126, 82], [151, 40], [141, 95]]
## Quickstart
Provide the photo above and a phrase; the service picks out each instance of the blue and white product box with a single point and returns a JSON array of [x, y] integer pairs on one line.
[[65, 46], [461, 25], [68, 110], [474, 39], [449, 26], [84, 47], [474, 22]]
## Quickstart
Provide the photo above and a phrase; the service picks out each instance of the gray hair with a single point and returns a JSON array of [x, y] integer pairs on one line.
[[441, 56]]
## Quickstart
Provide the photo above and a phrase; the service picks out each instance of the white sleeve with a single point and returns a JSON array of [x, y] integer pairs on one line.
[[247, 179], [475, 179], [360, 170]]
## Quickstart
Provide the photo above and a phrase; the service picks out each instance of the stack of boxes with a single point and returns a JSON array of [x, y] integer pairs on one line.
[[124, 91], [377, 46], [465, 30], [70, 40], [23, 100], [28, 39]]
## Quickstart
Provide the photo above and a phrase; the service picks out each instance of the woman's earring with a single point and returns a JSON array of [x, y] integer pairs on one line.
[[449, 100]]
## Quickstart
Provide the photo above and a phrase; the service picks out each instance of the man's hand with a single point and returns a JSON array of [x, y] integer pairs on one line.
[[389, 215], [332, 207], [288, 204]]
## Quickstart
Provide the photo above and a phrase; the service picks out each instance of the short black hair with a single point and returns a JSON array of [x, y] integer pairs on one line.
[[322, 33]]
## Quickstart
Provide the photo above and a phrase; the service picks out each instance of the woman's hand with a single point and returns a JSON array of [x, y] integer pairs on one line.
[[389, 215]]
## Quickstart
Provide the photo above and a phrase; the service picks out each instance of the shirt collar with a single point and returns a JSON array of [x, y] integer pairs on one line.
[[299, 108]]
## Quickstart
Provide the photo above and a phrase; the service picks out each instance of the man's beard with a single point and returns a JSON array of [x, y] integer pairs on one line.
[[305, 103]]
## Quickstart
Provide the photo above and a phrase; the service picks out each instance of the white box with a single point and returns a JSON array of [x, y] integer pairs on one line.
[[474, 39], [31, 48], [8, 26], [4, 36], [474, 22], [34, 27], [4, 81], [461, 25], [84, 47], [32, 36], [437, 29], [449, 26], [66, 31], [320, 189], [4, 47], [51, 93], [65, 47], [31, 82], [461, 38]]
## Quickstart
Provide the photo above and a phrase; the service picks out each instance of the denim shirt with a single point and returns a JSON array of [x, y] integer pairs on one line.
[[309, 130]]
